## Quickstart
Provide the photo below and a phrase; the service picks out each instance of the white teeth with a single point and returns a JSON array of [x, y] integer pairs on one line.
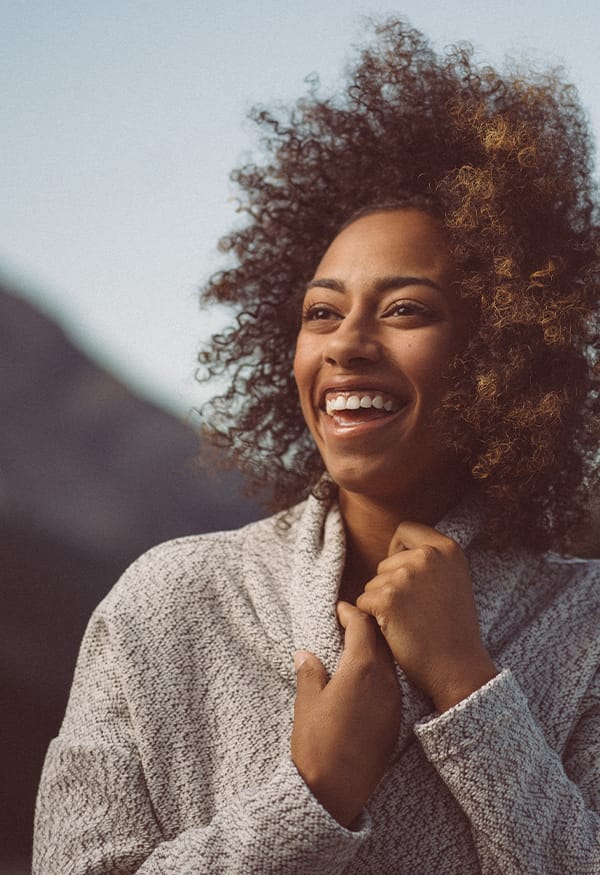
[[357, 401]]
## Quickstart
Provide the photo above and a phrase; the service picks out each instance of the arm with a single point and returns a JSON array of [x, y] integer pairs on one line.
[[345, 730], [95, 815], [527, 810]]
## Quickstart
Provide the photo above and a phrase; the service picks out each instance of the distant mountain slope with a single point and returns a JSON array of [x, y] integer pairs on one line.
[[90, 476], [84, 458]]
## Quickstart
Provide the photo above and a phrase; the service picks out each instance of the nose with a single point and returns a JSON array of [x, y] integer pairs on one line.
[[353, 341]]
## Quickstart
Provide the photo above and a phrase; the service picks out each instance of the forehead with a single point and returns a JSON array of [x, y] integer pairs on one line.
[[406, 240]]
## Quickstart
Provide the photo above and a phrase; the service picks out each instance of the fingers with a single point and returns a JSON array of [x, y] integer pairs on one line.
[[360, 638], [362, 644], [345, 730], [378, 604], [409, 535], [311, 677]]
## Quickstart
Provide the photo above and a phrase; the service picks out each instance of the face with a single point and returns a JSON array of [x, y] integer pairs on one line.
[[380, 325]]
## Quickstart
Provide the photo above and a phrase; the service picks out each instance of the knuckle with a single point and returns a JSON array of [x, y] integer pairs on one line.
[[389, 596], [452, 550], [363, 618], [310, 670], [405, 577], [428, 554]]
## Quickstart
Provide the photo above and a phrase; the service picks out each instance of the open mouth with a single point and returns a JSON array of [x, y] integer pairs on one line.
[[362, 405]]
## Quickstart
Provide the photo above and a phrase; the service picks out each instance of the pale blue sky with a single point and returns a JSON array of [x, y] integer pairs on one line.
[[123, 119]]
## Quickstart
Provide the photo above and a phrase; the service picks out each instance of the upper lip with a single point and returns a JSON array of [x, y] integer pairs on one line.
[[352, 384]]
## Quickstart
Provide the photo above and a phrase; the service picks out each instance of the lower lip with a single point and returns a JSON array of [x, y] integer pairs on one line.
[[354, 429]]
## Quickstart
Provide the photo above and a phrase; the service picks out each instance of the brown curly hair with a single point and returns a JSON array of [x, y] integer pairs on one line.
[[504, 162]]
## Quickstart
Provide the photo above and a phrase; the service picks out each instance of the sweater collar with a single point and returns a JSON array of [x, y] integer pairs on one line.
[[464, 522], [318, 564]]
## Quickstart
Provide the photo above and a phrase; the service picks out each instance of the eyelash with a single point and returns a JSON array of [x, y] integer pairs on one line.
[[310, 314], [318, 312], [414, 308]]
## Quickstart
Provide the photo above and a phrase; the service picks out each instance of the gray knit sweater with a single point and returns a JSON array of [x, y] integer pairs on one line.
[[173, 757]]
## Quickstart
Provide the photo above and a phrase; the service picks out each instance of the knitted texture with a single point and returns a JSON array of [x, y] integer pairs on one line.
[[173, 757]]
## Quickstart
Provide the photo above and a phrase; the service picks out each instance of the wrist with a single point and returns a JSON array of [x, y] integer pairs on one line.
[[343, 807], [462, 683]]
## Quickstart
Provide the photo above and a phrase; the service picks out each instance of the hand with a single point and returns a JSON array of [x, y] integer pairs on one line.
[[345, 729], [422, 600]]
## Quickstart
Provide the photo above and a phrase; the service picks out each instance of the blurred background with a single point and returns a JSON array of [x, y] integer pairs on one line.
[[122, 120]]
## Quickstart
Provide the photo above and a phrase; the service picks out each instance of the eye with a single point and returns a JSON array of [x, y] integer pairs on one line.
[[408, 308], [318, 312]]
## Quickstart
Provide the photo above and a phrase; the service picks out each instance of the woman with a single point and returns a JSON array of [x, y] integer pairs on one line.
[[421, 260]]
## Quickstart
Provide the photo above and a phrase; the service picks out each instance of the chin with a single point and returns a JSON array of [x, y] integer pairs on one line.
[[375, 484], [407, 485]]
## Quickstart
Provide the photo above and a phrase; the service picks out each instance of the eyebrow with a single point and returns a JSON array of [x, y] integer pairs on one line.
[[382, 284]]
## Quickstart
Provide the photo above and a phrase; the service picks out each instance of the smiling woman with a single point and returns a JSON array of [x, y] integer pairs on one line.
[[438, 224], [381, 322]]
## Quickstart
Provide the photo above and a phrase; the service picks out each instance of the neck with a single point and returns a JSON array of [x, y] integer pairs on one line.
[[370, 524]]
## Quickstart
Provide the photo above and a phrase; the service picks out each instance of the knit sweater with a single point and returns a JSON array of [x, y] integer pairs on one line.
[[173, 757]]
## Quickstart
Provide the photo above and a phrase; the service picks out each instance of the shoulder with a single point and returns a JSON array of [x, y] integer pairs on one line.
[[533, 601], [547, 631], [569, 596], [573, 577], [202, 567]]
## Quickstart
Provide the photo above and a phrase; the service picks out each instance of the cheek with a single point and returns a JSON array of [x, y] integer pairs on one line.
[[427, 363], [298, 368], [306, 368], [303, 365], [302, 377]]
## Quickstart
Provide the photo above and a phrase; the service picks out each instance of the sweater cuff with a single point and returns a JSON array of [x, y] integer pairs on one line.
[[450, 734], [304, 830]]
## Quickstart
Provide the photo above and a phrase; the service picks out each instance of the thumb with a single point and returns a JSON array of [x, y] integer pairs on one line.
[[311, 676], [396, 544]]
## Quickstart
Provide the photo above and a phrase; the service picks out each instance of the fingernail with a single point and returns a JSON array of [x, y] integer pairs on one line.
[[299, 659]]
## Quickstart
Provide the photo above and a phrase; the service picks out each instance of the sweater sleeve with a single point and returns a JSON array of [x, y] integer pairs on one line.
[[95, 815], [528, 811]]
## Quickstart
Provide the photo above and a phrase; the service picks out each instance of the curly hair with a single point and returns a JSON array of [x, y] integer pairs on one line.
[[504, 163]]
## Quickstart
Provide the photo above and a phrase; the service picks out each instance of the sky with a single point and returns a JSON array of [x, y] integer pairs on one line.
[[124, 118]]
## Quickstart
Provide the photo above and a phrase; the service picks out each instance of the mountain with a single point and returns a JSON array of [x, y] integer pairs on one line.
[[84, 458], [91, 475]]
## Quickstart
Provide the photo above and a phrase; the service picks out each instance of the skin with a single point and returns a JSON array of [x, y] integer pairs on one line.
[[382, 314]]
